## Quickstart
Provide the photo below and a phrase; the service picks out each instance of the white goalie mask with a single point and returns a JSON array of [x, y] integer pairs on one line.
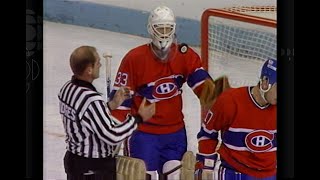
[[161, 27]]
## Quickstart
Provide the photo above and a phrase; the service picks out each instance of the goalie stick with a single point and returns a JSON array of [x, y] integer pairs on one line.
[[107, 57]]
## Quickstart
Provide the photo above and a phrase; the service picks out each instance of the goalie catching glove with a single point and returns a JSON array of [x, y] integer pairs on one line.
[[212, 89], [222, 83], [207, 93]]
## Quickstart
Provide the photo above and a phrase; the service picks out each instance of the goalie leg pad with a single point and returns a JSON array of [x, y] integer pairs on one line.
[[129, 168], [188, 166]]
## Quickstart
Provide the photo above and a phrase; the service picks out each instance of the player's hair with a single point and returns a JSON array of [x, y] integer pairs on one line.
[[81, 58]]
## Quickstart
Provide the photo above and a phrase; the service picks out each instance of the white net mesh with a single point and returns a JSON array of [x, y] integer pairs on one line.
[[238, 49], [259, 11]]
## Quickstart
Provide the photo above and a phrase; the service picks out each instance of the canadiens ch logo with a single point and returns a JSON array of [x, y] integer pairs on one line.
[[165, 88], [259, 141]]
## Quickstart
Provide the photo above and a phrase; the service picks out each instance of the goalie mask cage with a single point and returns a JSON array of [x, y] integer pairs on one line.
[[236, 41]]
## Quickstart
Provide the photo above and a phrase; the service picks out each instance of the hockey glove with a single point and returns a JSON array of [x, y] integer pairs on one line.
[[204, 163]]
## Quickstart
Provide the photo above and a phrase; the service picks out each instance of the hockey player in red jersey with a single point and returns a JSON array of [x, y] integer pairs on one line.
[[246, 117], [157, 71]]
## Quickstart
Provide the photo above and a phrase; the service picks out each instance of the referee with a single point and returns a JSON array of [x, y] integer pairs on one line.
[[91, 132]]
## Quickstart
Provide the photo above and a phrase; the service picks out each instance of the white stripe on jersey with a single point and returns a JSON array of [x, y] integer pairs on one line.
[[247, 130], [245, 148]]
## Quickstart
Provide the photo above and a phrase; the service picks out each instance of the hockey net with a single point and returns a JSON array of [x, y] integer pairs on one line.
[[236, 41]]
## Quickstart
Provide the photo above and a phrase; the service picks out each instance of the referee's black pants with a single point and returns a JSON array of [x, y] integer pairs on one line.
[[82, 168]]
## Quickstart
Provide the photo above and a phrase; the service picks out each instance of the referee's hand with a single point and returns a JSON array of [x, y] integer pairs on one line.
[[119, 97]]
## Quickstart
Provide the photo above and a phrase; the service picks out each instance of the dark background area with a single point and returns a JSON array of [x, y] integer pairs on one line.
[[34, 90]]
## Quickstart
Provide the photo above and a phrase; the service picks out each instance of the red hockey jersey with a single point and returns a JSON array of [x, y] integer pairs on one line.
[[248, 132], [160, 83]]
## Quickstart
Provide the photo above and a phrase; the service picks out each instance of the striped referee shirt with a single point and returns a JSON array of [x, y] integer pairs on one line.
[[90, 129]]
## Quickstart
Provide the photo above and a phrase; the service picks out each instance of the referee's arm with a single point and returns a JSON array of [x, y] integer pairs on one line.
[[101, 123]]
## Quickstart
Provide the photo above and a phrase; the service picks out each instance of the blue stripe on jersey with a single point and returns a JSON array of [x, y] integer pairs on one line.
[[238, 138], [203, 133], [197, 77], [235, 138], [126, 103], [146, 91]]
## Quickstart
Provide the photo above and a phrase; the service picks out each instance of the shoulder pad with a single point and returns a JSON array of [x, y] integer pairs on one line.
[[183, 48]]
